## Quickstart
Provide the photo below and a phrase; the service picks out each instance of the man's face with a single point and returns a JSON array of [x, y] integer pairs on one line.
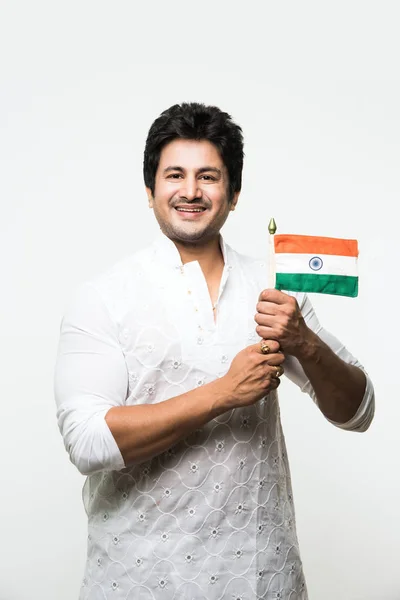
[[190, 199]]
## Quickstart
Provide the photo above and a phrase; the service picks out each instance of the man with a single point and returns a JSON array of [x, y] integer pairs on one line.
[[166, 390]]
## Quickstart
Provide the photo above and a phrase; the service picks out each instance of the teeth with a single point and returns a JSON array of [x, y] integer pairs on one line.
[[190, 209]]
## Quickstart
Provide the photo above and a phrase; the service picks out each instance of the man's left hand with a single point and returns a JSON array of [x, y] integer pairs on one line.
[[279, 318]]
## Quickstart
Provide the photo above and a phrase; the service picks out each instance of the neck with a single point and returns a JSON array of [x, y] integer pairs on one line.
[[208, 255]]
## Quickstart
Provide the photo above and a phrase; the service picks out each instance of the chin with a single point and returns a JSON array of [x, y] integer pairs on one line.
[[187, 237]]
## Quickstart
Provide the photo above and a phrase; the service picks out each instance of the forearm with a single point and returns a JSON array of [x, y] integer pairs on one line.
[[339, 387], [144, 431]]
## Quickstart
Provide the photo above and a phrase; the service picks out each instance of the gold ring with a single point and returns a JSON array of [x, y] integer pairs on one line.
[[265, 349], [278, 372]]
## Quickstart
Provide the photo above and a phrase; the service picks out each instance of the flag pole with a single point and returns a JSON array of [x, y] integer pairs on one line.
[[272, 230]]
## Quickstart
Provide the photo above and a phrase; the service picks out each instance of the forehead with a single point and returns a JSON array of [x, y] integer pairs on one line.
[[190, 154]]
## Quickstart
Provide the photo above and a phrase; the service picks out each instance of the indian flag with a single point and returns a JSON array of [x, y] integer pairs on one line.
[[316, 264]]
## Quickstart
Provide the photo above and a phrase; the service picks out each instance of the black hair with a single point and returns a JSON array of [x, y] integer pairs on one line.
[[195, 121]]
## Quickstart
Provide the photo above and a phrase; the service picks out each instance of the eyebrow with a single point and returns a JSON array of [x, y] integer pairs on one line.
[[201, 170]]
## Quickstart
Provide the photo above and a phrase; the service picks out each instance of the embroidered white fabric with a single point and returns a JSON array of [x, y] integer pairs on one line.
[[211, 518]]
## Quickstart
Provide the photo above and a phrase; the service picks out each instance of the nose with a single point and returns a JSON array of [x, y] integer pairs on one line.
[[190, 189]]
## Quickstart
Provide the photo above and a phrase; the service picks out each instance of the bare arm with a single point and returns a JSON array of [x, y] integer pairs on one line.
[[338, 386], [144, 431]]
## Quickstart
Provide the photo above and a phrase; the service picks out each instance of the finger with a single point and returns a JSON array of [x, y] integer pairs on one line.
[[267, 308], [273, 360], [267, 333], [267, 346], [274, 346], [264, 319], [274, 383], [275, 296], [275, 372]]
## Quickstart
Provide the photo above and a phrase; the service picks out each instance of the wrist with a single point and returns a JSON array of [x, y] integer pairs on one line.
[[222, 397], [308, 350]]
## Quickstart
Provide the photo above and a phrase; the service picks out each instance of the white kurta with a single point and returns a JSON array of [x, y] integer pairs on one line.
[[211, 518]]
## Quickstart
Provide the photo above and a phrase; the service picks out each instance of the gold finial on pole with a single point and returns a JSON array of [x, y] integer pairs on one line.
[[272, 226]]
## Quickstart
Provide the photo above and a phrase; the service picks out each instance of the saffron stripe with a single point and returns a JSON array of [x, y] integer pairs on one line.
[[307, 244], [339, 285]]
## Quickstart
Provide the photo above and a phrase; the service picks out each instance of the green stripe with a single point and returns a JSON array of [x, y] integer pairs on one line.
[[340, 285]]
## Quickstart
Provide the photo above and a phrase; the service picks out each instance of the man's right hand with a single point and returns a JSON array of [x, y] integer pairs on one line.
[[252, 374]]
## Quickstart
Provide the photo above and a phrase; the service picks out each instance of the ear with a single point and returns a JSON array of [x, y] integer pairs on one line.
[[149, 197], [234, 200]]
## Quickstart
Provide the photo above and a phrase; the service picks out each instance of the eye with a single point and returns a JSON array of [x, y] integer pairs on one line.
[[208, 177], [174, 176]]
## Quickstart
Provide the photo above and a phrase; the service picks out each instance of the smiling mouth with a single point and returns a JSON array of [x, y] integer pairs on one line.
[[189, 210]]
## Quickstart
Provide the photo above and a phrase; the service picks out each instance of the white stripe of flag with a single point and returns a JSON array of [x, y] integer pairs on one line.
[[331, 264]]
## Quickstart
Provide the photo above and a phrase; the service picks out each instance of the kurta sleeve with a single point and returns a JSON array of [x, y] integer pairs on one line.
[[294, 371], [90, 378]]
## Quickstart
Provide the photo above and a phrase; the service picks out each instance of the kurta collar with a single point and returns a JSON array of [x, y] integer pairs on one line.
[[167, 253]]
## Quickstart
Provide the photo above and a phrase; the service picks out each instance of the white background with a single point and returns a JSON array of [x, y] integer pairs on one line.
[[315, 86]]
